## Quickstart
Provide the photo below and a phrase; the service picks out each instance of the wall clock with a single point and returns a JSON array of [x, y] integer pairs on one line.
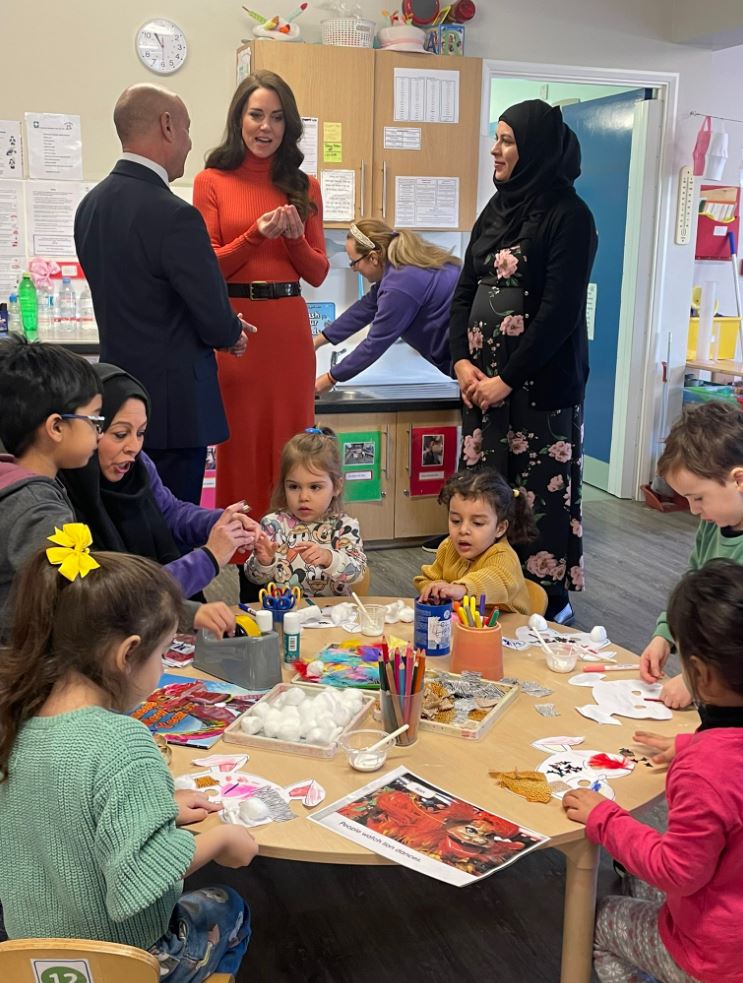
[[161, 46]]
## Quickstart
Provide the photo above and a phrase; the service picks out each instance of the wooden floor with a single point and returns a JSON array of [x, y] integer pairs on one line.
[[323, 924]]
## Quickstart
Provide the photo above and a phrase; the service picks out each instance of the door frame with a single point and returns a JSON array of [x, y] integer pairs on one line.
[[633, 437]]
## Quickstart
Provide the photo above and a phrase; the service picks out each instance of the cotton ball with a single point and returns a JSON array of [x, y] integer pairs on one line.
[[289, 730], [253, 810], [260, 709], [280, 701], [537, 622], [406, 615], [307, 711], [315, 668], [251, 724], [326, 721], [290, 711], [341, 716], [272, 723], [315, 735], [323, 703], [184, 781], [598, 634], [294, 696]]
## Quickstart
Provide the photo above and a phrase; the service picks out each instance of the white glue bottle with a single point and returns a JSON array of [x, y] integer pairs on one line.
[[292, 623]]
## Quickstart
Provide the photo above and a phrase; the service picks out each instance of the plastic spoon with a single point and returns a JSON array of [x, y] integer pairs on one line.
[[386, 739]]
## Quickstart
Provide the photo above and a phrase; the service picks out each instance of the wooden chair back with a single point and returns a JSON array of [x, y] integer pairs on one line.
[[107, 962], [537, 597], [361, 587]]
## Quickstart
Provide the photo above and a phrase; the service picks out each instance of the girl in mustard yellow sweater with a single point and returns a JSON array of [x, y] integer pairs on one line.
[[476, 557]]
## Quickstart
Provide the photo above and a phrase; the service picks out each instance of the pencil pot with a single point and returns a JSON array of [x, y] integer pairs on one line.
[[433, 627], [477, 650], [399, 710]]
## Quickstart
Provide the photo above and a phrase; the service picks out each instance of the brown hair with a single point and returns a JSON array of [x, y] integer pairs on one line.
[[317, 450], [707, 440], [62, 626], [705, 616], [507, 503], [285, 163], [403, 248]]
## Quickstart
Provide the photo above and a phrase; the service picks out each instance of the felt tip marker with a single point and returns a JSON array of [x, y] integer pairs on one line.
[[609, 667]]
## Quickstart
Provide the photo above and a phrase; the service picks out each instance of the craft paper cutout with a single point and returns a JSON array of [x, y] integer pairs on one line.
[[221, 762], [584, 769], [308, 792], [588, 650], [556, 745], [625, 697]]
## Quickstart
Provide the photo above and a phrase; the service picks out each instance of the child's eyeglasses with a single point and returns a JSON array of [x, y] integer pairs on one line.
[[95, 421]]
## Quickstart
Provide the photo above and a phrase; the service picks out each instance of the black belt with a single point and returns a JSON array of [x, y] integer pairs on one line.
[[263, 290]]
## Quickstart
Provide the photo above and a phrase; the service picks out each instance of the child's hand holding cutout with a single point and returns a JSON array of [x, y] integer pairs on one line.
[[665, 746], [654, 658], [314, 555], [193, 806], [579, 803], [675, 694], [265, 549]]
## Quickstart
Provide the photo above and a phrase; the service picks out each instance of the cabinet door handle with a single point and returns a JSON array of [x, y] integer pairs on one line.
[[362, 196], [384, 189]]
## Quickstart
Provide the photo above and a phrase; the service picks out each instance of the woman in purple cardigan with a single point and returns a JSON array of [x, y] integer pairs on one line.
[[412, 286], [120, 496]]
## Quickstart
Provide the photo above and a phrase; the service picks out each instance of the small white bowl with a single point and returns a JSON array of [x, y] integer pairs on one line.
[[356, 743], [562, 657]]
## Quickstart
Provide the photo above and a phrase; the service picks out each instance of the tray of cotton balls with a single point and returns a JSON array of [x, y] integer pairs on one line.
[[303, 719]]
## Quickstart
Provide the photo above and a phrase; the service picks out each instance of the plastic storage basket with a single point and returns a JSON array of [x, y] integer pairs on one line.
[[348, 32]]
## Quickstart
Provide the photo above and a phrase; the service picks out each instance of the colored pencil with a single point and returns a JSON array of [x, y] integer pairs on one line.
[[493, 617], [482, 606]]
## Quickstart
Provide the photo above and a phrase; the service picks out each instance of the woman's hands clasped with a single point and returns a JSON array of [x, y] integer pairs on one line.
[[477, 388], [282, 221]]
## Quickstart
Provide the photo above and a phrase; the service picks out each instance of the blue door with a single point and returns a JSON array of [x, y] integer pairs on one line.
[[604, 128]]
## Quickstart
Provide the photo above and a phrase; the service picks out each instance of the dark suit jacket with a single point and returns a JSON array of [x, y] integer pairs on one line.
[[160, 301]]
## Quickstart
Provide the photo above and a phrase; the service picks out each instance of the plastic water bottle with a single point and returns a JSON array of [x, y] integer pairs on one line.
[[29, 305], [65, 319], [88, 327], [45, 322], [14, 313]]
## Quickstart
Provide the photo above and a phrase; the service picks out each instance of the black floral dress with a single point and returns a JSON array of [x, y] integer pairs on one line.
[[537, 450]]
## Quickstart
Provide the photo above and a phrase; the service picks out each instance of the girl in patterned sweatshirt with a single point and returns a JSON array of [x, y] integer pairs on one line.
[[308, 539]]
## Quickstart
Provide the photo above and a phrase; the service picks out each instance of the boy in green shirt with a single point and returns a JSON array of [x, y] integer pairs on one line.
[[703, 461]]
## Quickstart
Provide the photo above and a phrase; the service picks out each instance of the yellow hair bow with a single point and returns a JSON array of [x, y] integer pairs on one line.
[[72, 554]]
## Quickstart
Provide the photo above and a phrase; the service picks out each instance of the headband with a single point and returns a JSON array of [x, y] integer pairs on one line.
[[359, 236], [72, 554]]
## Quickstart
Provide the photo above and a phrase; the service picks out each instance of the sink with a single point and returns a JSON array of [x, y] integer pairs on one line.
[[344, 395]]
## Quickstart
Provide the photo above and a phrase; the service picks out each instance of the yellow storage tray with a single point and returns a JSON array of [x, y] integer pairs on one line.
[[728, 328]]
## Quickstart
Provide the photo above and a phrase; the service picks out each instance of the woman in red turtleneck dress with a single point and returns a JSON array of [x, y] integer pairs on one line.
[[264, 218]]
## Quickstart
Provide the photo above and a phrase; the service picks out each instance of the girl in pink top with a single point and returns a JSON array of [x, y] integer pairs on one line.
[[684, 923]]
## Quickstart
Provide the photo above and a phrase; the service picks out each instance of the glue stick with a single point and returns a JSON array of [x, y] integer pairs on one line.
[[291, 637]]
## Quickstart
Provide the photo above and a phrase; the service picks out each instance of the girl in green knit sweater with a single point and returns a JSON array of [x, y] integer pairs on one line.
[[90, 844]]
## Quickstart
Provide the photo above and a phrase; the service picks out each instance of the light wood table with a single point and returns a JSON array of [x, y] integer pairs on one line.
[[461, 767], [717, 367]]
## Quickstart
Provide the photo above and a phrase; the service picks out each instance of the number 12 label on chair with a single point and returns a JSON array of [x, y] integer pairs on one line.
[[54, 971]]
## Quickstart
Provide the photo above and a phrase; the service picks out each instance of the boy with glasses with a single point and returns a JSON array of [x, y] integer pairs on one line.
[[50, 404]]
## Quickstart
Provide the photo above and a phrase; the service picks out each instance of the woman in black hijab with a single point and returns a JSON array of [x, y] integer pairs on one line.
[[519, 341], [120, 496]]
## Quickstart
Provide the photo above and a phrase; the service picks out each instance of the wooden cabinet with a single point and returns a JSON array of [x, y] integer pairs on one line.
[[337, 86], [355, 87], [398, 515], [447, 149]]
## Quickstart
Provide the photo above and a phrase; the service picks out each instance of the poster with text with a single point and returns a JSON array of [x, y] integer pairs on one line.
[[406, 819], [361, 463], [719, 213], [433, 457]]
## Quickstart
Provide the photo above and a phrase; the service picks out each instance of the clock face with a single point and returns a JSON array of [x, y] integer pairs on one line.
[[161, 46]]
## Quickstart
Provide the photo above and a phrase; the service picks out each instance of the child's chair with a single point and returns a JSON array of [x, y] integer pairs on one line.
[[108, 961], [537, 597], [361, 587]]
